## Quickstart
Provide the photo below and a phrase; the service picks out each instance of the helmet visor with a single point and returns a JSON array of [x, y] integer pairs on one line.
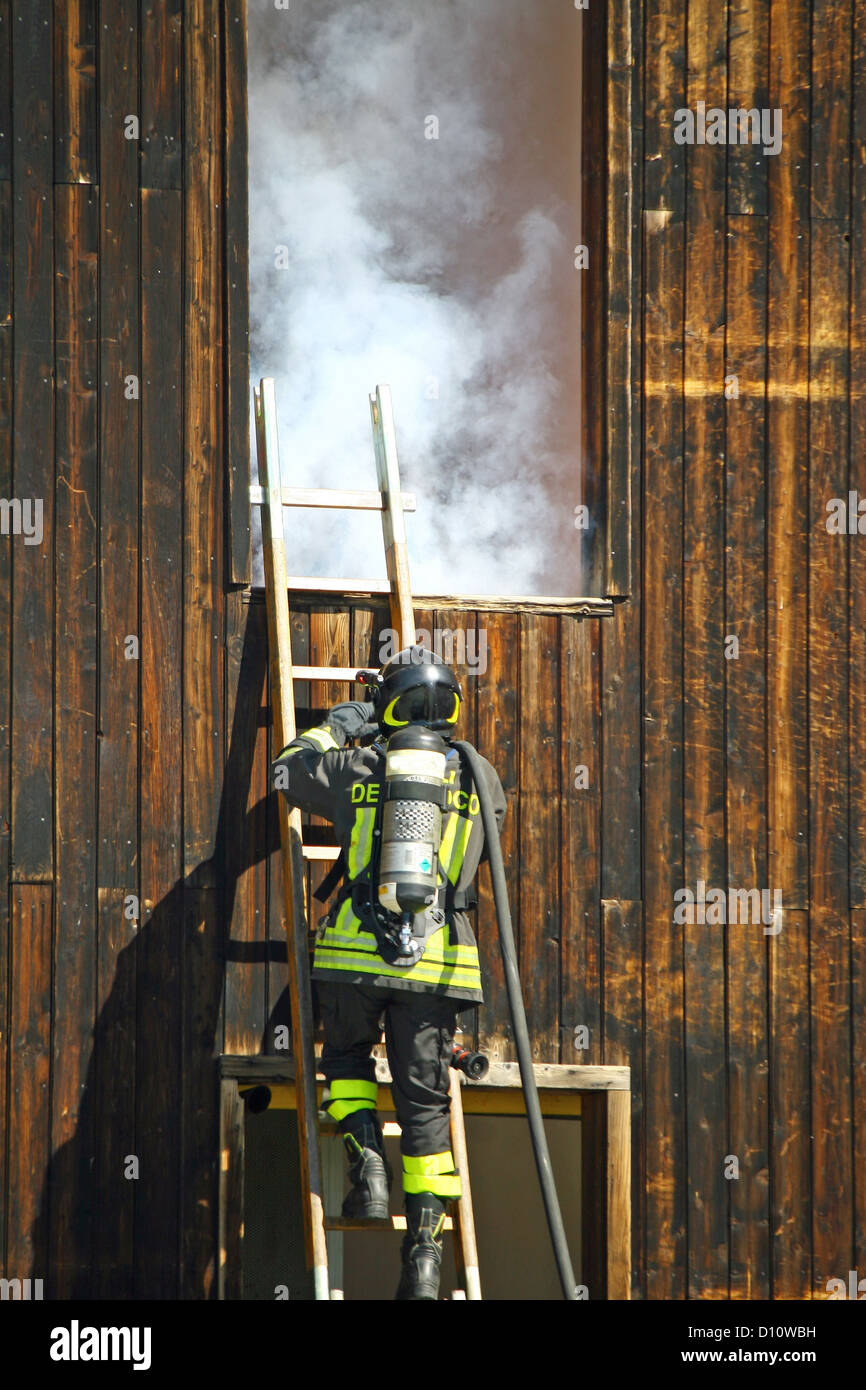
[[426, 704]]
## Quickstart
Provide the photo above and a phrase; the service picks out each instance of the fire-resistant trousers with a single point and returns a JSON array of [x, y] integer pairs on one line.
[[419, 1035]]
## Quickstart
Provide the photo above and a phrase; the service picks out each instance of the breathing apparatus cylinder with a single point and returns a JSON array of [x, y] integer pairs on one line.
[[414, 797]]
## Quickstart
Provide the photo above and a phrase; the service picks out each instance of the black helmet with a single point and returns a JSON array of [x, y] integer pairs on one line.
[[416, 687]]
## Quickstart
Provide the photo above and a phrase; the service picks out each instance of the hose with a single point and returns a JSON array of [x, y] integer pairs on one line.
[[518, 1021]]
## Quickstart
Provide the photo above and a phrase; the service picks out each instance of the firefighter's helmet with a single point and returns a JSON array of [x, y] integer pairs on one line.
[[416, 687]]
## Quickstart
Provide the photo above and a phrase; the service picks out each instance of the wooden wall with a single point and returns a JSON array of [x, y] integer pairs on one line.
[[125, 777]]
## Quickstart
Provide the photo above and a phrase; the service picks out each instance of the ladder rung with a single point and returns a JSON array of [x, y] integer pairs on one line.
[[355, 1223], [324, 673], [352, 500], [320, 851], [314, 585]]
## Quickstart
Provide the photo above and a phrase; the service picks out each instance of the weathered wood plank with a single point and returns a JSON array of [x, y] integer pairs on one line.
[[540, 938], [619, 246], [663, 733], [33, 445], [662, 648], [703, 634], [5, 748], [237, 291], [76, 124], [247, 783], [580, 844], [5, 89], [748, 62], [27, 1251], [496, 732], [162, 94], [857, 475], [858, 1034], [549, 1076], [745, 741], [787, 761], [231, 1198], [832, 1212], [203, 636], [76, 630], [622, 947], [6, 257], [830, 87], [158, 1064], [791, 1174]]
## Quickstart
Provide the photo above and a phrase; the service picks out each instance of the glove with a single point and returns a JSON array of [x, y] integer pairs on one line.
[[351, 718]]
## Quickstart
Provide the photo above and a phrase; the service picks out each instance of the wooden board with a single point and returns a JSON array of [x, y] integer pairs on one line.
[[75, 716], [539, 936], [748, 54], [33, 446], [703, 639], [158, 966], [204, 644], [161, 113], [828, 785], [663, 655], [76, 124], [237, 292], [745, 740]]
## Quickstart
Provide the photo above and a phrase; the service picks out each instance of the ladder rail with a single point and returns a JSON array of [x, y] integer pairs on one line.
[[283, 712]]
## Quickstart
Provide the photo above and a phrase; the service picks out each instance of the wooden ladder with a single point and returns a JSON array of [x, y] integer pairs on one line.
[[271, 496]]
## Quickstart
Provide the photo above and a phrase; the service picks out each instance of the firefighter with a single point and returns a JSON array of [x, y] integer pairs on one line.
[[359, 973]]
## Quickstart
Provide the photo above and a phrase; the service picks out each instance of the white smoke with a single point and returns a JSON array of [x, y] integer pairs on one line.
[[443, 267]]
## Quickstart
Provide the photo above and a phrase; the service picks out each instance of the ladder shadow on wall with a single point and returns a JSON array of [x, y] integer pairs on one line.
[[151, 1089]]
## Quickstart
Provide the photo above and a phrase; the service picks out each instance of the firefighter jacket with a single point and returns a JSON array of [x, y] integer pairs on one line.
[[343, 785]]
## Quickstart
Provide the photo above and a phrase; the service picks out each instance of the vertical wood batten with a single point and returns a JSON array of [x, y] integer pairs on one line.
[[32, 646], [161, 113], [76, 123], [158, 1062], [580, 840], [787, 726], [539, 942], [857, 474], [832, 1210], [204, 825], [76, 636], [5, 765], [748, 55], [27, 1250], [662, 657], [703, 645], [5, 89], [497, 739], [119, 518], [237, 294], [745, 746]]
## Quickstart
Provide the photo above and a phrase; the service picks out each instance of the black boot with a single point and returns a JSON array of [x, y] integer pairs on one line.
[[369, 1171], [422, 1247]]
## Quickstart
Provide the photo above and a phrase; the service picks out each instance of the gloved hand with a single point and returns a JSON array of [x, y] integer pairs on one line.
[[351, 717]]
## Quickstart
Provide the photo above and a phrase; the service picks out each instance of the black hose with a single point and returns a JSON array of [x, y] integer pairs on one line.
[[518, 1020]]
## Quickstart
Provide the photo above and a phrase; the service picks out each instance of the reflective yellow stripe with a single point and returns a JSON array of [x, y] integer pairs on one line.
[[367, 963], [323, 737], [448, 1186], [346, 1097], [446, 844], [353, 1090], [361, 842], [431, 1173], [429, 1164], [461, 839]]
